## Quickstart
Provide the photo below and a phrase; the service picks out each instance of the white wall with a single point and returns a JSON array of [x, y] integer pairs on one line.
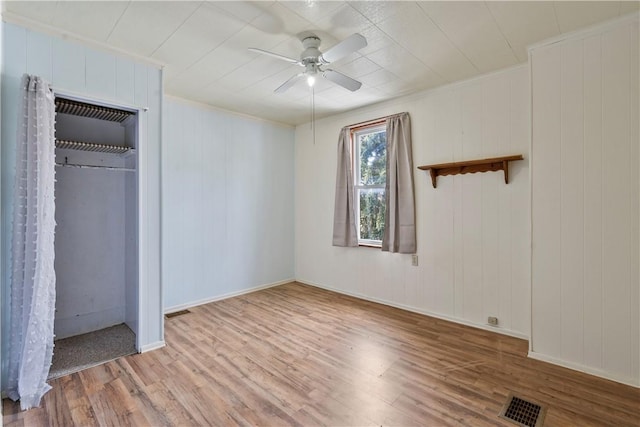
[[227, 203], [585, 282], [472, 230], [90, 248], [97, 75]]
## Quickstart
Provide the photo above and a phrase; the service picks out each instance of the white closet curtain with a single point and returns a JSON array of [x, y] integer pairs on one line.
[[33, 277]]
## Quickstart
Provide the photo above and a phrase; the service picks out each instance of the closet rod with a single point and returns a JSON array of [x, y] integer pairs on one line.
[[109, 168], [90, 146]]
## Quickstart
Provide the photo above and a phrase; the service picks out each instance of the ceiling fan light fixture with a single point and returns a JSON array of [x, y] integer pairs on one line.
[[311, 80], [311, 72]]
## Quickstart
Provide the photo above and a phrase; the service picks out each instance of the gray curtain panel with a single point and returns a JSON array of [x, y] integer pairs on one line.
[[400, 219], [344, 215]]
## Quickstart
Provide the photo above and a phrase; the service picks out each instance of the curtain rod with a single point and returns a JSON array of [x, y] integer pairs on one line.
[[367, 123], [370, 122]]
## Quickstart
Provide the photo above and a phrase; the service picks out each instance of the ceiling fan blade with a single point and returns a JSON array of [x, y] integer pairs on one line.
[[286, 85], [345, 47], [342, 80], [275, 55]]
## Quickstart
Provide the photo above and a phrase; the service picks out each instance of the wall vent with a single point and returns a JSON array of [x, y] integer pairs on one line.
[[522, 412], [176, 313]]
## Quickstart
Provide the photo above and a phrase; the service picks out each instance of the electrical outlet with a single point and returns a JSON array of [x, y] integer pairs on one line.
[[414, 260], [493, 321]]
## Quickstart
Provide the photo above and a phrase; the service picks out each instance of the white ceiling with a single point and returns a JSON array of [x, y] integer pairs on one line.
[[411, 45]]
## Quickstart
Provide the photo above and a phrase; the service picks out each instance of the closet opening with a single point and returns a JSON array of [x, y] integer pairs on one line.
[[96, 239]]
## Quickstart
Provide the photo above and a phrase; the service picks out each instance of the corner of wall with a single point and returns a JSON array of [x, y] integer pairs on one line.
[[2, 9]]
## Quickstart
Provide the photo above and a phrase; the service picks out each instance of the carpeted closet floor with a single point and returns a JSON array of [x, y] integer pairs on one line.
[[80, 352]]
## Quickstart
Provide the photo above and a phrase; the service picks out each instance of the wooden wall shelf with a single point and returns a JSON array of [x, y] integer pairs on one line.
[[471, 166]]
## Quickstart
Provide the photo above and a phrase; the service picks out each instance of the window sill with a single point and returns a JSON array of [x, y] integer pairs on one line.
[[369, 245]]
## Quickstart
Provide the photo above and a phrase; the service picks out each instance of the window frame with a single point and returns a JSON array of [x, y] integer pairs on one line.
[[374, 127]]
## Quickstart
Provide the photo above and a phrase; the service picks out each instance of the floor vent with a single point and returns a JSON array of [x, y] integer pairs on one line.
[[176, 313], [523, 412]]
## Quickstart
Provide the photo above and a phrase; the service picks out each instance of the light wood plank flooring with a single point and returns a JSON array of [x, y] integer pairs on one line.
[[297, 355]]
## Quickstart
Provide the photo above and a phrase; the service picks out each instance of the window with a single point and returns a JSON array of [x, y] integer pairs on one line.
[[370, 177]]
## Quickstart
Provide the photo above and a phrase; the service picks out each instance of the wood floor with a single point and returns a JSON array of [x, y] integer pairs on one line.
[[297, 355]]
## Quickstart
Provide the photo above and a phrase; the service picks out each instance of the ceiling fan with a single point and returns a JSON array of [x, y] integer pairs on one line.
[[313, 61]]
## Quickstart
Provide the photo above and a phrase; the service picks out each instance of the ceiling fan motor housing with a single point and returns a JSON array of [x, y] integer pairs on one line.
[[311, 53]]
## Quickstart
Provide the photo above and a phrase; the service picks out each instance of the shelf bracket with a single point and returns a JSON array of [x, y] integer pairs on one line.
[[434, 175]]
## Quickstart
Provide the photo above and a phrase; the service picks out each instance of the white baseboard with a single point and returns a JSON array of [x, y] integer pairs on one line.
[[224, 296], [152, 346], [495, 329], [586, 369]]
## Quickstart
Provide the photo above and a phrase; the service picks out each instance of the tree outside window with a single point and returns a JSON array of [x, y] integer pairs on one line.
[[370, 177]]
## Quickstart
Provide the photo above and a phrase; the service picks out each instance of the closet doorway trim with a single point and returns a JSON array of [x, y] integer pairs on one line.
[[143, 208]]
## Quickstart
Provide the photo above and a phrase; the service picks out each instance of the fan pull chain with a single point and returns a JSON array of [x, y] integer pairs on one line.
[[313, 114]]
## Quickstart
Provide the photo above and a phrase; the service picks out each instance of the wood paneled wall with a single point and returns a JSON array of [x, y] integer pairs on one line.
[[473, 230], [227, 204], [585, 197]]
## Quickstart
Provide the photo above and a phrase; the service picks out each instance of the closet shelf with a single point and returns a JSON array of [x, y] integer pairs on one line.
[[89, 146], [471, 166], [75, 108]]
